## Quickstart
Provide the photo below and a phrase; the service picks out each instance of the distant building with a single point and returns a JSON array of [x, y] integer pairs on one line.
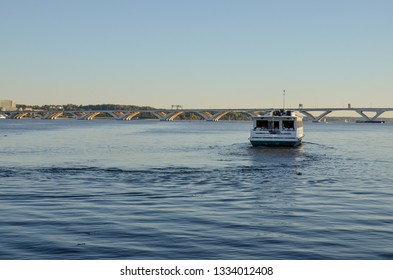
[[7, 105]]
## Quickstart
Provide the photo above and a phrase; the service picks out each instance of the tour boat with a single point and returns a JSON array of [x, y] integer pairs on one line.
[[277, 128]]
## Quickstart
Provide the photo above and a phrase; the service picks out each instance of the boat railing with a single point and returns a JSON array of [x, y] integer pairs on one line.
[[273, 129]]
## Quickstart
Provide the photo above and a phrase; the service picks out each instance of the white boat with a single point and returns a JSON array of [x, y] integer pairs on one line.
[[277, 128]]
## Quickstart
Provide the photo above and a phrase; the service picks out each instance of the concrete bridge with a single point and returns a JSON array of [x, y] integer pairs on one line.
[[315, 114]]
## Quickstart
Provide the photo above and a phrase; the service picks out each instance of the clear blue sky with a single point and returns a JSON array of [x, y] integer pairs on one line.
[[197, 53]]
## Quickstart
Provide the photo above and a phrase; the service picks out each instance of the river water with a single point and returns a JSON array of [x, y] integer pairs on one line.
[[106, 189]]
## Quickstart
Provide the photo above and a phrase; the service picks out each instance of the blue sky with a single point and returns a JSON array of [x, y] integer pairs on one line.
[[197, 53]]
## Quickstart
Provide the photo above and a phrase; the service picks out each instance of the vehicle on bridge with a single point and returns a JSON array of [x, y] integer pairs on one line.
[[277, 128]]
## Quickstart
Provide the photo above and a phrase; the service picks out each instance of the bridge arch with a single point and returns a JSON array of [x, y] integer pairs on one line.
[[174, 115], [25, 114], [96, 114], [129, 116], [227, 115]]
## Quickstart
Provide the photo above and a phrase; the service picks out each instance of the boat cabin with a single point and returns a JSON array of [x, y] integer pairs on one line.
[[277, 120]]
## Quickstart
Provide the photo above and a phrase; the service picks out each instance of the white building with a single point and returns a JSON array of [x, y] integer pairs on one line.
[[7, 105]]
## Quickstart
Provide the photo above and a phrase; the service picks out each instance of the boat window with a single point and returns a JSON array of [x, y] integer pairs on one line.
[[274, 125], [262, 124], [288, 125]]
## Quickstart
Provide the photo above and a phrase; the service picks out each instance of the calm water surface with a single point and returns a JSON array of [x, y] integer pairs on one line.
[[108, 189]]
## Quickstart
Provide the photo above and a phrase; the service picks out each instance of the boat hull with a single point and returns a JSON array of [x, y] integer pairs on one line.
[[275, 143]]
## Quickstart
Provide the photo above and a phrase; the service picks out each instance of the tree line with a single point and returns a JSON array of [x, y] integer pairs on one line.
[[71, 107], [235, 116]]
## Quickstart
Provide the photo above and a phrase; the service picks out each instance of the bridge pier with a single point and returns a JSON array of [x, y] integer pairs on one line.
[[218, 116], [367, 118], [315, 118], [116, 115], [205, 115], [159, 115]]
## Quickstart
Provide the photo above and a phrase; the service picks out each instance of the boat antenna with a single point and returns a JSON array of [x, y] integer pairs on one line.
[[283, 99]]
